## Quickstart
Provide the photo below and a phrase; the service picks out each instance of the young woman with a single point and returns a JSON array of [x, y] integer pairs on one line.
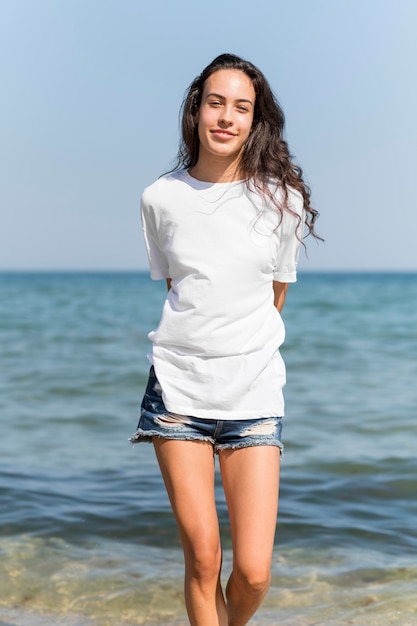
[[224, 229]]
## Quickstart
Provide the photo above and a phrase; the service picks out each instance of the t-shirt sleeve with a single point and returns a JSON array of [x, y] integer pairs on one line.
[[289, 244], [158, 262]]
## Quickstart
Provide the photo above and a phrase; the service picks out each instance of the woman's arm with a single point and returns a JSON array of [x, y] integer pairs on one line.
[[280, 292]]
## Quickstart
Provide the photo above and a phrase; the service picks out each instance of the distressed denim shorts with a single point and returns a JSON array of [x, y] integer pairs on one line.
[[157, 421]]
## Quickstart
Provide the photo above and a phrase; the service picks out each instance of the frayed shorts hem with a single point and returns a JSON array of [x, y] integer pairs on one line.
[[148, 436]]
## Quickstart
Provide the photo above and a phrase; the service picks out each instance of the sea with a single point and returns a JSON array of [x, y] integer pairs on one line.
[[87, 537]]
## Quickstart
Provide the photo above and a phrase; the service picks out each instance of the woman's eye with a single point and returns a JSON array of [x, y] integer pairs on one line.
[[215, 103]]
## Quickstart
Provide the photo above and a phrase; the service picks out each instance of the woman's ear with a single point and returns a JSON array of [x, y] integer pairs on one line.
[[196, 117]]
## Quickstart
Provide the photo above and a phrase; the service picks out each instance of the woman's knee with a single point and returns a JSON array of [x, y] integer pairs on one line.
[[203, 563], [253, 580]]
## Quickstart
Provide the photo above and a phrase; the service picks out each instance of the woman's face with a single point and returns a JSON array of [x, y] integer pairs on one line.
[[225, 115]]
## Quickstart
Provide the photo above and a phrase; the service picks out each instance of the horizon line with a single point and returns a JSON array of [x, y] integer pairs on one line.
[[146, 271]]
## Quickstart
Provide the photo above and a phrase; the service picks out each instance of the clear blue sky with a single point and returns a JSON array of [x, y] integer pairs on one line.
[[89, 116]]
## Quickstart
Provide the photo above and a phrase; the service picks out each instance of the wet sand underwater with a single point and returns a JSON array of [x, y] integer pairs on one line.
[[99, 588]]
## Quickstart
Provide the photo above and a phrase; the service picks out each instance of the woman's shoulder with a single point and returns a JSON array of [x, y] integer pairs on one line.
[[293, 199], [163, 185], [277, 189]]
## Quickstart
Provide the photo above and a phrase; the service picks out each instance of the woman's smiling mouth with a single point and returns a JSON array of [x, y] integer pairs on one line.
[[223, 134]]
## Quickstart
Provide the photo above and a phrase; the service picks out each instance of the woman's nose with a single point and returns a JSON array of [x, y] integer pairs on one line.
[[225, 119]]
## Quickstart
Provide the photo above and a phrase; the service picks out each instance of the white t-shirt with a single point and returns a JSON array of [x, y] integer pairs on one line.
[[216, 349]]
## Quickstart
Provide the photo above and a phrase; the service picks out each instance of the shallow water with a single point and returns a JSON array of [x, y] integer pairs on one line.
[[87, 536]]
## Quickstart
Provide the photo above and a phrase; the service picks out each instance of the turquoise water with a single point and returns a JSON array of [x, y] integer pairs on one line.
[[87, 537]]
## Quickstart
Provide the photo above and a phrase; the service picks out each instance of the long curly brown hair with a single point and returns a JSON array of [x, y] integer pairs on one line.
[[265, 157]]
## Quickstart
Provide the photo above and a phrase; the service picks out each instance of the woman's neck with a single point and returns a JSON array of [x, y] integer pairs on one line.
[[216, 171]]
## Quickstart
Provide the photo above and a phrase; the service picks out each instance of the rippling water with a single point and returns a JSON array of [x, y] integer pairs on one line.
[[87, 537]]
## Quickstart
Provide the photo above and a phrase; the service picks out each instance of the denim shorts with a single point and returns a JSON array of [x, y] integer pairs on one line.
[[157, 421]]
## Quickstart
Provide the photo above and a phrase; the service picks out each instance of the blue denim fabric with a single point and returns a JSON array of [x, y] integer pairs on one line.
[[156, 421]]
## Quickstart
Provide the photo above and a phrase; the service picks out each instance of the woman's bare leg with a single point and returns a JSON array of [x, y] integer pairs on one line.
[[188, 471], [251, 483]]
